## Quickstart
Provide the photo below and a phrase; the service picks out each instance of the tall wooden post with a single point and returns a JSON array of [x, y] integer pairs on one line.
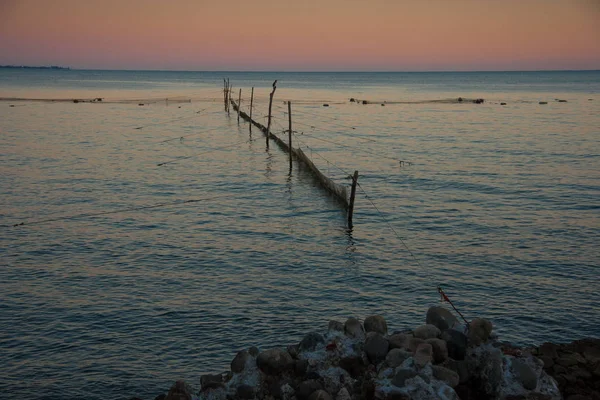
[[251, 105], [229, 98], [239, 105], [225, 86], [270, 107], [352, 195], [290, 130]]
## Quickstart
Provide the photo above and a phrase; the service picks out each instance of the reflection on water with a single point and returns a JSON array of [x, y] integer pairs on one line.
[[499, 204]]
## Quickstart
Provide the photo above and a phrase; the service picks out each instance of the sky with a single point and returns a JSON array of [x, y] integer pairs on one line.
[[302, 35]]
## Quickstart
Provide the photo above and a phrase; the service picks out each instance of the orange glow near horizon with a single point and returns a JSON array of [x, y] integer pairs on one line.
[[392, 35]]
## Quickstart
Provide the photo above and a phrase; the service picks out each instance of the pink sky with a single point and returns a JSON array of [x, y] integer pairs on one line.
[[391, 35]]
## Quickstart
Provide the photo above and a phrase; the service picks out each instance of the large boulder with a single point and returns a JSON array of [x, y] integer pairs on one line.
[[441, 317], [440, 350], [180, 391], [376, 347], [239, 361], [376, 323], [396, 357], [311, 341], [399, 341], [446, 375], [456, 341], [274, 361], [479, 331], [427, 331], [353, 328], [423, 355]]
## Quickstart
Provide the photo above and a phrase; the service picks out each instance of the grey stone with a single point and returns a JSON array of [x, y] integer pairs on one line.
[[423, 355], [209, 381], [428, 331], [354, 329], [456, 342], [479, 331], [293, 349], [446, 375], [486, 367], [311, 341], [335, 326], [376, 347], [524, 374], [300, 367], [274, 361], [402, 375], [239, 361], [396, 357], [376, 323], [440, 350], [399, 341], [441, 317], [306, 388], [253, 351], [460, 367], [413, 343], [319, 395], [246, 392], [343, 394], [179, 391], [353, 365]]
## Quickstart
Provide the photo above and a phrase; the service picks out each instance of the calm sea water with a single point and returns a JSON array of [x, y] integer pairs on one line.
[[499, 204]]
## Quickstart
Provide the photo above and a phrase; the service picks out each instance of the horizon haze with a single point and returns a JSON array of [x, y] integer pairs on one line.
[[336, 35]]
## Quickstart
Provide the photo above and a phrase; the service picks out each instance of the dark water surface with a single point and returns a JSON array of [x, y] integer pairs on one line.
[[500, 205]]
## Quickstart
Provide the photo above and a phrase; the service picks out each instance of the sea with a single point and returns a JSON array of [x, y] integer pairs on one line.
[[147, 236]]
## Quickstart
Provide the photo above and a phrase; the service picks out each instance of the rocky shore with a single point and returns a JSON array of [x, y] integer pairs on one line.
[[442, 359]]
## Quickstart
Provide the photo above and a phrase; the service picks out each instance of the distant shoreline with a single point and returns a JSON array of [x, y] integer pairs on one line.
[[33, 67]]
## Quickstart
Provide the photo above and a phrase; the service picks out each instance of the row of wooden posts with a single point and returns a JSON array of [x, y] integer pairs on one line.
[[337, 190]]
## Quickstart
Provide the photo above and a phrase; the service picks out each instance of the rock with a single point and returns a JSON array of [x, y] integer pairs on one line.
[[319, 395], [423, 355], [352, 100], [402, 375], [456, 343], [325, 105], [440, 350], [376, 323], [179, 391], [441, 317], [311, 341], [335, 326], [413, 343], [396, 357], [399, 341], [428, 331], [245, 392], [479, 331], [567, 360], [353, 329], [239, 361], [353, 365], [161, 396], [460, 99], [294, 350], [502, 104], [460, 367], [543, 102], [365, 102], [376, 347], [274, 361], [524, 374], [548, 349], [209, 381], [343, 394], [548, 361], [306, 388], [446, 375], [253, 351], [300, 367], [562, 101]]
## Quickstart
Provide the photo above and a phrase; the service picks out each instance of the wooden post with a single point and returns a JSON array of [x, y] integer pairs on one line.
[[229, 98], [239, 105], [225, 93], [290, 130], [352, 194], [270, 107], [251, 102]]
